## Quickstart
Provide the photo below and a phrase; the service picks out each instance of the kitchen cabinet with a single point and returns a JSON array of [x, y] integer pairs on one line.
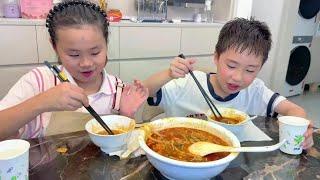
[[18, 45], [12, 74], [142, 68], [147, 42], [45, 50], [199, 41]]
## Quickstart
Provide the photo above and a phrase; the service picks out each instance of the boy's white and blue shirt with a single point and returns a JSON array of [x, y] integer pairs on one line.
[[181, 97]]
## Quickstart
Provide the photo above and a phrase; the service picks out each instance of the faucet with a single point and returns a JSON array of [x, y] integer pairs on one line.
[[164, 7]]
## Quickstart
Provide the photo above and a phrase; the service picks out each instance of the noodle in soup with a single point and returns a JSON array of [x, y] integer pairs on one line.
[[174, 142], [115, 131], [228, 120]]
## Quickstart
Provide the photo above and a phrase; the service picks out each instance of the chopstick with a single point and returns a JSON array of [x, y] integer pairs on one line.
[[61, 76], [204, 94]]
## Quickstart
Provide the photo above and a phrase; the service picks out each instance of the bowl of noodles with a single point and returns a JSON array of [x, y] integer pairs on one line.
[[121, 126], [232, 119], [166, 143]]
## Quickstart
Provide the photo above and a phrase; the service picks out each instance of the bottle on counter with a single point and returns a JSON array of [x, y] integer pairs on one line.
[[11, 9], [208, 11]]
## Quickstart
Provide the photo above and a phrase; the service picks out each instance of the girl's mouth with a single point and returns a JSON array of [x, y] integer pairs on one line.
[[232, 87], [87, 73]]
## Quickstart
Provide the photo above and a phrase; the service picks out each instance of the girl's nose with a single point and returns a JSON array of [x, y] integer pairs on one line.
[[85, 62]]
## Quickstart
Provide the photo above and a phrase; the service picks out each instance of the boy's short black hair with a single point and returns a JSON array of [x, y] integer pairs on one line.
[[245, 35]]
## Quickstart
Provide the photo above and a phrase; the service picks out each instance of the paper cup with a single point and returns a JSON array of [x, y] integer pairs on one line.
[[292, 129], [14, 159]]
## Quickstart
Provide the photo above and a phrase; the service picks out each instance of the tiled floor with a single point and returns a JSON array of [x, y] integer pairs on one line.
[[311, 103]]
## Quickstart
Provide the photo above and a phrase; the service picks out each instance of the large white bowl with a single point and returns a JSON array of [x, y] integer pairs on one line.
[[174, 169], [110, 143], [230, 112]]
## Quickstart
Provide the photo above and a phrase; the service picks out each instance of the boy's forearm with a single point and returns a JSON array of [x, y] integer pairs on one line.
[[13, 118], [287, 108], [156, 81]]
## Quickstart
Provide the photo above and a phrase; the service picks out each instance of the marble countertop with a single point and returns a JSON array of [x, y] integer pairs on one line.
[[123, 23], [84, 160]]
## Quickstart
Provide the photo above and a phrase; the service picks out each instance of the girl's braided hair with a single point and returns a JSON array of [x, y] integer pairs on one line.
[[76, 13]]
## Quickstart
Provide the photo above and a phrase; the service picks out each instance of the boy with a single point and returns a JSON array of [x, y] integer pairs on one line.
[[240, 52]]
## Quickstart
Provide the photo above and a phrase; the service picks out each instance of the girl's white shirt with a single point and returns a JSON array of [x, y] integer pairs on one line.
[[41, 79]]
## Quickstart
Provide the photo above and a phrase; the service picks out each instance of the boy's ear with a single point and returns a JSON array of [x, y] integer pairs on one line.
[[215, 58]]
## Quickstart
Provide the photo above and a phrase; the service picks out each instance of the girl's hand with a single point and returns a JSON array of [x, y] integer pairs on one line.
[[308, 141], [64, 97], [180, 67], [132, 97]]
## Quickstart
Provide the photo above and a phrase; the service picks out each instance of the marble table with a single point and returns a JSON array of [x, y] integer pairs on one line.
[[84, 160]]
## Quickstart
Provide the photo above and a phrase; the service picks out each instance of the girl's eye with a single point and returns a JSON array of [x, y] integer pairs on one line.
[[74, 55], [231, 67], [250, 71], [96, 53]]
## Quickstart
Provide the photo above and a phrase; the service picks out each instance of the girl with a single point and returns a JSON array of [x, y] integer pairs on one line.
[[79, 35]]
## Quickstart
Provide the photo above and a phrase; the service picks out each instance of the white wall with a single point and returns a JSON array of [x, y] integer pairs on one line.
[[280, 16]]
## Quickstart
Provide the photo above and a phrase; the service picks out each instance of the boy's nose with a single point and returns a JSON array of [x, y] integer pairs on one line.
[[237, 76]]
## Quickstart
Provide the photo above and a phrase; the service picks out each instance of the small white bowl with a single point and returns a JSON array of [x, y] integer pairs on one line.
[[110, 143], [174, 169], [230, 112]]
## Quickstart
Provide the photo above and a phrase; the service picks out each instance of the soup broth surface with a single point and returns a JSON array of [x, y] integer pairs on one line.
[[228, 120], [115, 131], [174, 142]]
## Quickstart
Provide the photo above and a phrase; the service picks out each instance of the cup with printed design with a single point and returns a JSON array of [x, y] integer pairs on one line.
[[14, 159], [292, 129]]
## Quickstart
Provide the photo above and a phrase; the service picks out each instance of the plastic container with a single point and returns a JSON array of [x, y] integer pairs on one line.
[[11, 9]]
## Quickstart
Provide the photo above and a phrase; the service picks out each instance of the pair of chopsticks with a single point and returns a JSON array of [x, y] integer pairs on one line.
[[204, 94], [61, 76]]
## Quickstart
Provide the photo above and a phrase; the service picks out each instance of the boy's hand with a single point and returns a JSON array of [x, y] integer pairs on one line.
[[308, 141], [64, 97], [180, 67], [132, 97]]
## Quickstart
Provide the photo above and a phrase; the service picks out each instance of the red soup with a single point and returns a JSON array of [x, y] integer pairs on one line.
[[174, 142]]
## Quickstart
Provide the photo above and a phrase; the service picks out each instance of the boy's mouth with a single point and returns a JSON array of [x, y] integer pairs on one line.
[[232, 87], [87, 73]]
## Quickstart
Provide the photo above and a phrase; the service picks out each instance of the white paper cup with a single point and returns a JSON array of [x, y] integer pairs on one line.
[[292, 129], [14, 159]]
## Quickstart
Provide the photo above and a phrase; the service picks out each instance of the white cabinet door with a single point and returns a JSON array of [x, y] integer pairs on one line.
[[199, 40], [12, 74], [46, 52], [145, 42], [18, 45], [141, 69], [205, 64], [113, 43], [113, 68]]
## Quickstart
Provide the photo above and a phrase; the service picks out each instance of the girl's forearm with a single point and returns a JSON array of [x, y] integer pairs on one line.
[[13, 118]]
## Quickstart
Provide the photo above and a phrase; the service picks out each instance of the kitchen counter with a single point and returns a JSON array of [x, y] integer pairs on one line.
[[84, 160], [123, 23]]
